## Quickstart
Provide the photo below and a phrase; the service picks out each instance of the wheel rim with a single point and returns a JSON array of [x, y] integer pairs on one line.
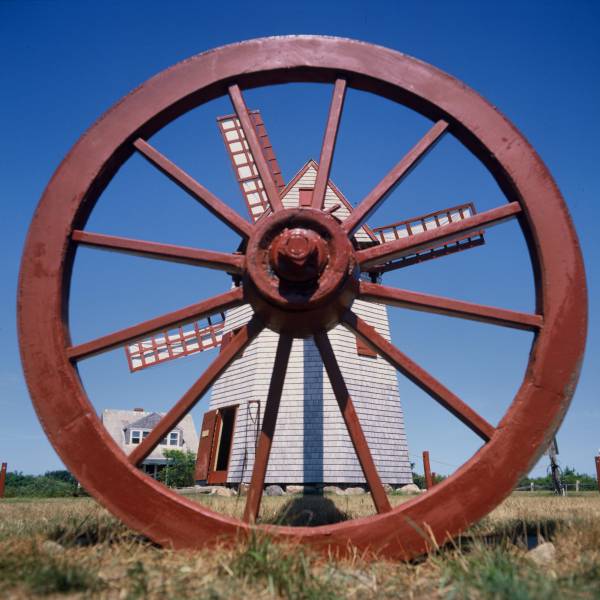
[[517, 441]]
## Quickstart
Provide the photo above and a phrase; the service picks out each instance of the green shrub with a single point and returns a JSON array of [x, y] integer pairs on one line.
[[179, 471], [38, 486]]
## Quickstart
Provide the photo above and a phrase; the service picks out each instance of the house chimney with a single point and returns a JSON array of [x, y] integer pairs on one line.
[[138, 410]]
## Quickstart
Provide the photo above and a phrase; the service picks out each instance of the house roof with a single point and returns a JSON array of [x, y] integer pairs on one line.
[[117, 422], [147, 422]]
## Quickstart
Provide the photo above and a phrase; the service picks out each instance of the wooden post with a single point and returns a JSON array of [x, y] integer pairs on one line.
[[427, 470], [531, 486], [2, 479], [598, 471], [577, 485]]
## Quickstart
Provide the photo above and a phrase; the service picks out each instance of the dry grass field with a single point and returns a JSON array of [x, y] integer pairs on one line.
[[72, 547]]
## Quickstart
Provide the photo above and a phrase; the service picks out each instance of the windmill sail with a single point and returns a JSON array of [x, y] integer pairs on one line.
[[182, 341], [244, 167], [422, 223]]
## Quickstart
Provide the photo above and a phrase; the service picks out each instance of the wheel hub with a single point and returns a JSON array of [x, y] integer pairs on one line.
[[299, 255], [300, 261]]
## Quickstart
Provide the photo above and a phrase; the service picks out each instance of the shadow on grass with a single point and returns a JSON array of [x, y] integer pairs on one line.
[[92, 530], [522, 533], [305, 511]]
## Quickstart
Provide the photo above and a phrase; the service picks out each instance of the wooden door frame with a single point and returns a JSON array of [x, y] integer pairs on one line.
[[220, 477]]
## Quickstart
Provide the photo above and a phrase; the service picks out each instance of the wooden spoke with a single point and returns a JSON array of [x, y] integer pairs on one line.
[[328, 147], [419, 376], [187, 183], [379, 255], [227, 355], [263, 450], [220, 303], [389, 183], [221, 261], [447, 306], [260, 161], [355, 430]]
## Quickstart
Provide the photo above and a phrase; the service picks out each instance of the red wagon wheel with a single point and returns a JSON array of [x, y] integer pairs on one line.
[[286, 254]]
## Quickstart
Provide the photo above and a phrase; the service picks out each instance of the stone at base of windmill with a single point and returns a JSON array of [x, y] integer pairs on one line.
[[354, 491], [543, 555], [411, 488], [306, 490], [274, 490], [223, 491]]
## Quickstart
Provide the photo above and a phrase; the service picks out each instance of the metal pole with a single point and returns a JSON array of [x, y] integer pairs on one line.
[[598, 471], [427, 470], [2, 479]]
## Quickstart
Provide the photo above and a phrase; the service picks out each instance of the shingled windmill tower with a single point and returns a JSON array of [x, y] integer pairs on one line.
[[311, 443]]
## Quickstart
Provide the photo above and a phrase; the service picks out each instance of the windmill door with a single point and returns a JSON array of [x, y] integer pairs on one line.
[[216, 439]]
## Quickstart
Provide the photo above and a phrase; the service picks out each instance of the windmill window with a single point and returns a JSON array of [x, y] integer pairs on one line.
[[174, 438], [363, 349], [305, 196]]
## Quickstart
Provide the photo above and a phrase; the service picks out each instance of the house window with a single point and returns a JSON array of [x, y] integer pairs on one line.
[[137, 435]]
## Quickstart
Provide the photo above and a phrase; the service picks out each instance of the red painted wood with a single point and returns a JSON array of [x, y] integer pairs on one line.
[[2, 478], [359, 441], [265, 440], [389, 183], [220, 303], [328, 147], [205, 445], [448, 306], [187, 183], [427, 470], [475, 488], [422, 241], [363, 349], [262, 166], [267, 150], [419, 376], [305, 197], [177, 346], [221, 261]]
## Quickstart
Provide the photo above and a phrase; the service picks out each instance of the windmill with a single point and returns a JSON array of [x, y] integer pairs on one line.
[[311, 443]]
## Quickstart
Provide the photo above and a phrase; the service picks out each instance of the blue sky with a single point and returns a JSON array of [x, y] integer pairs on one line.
[[65, 63]]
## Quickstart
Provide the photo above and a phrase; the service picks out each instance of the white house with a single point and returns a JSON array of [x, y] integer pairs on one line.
[[129, 427]]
